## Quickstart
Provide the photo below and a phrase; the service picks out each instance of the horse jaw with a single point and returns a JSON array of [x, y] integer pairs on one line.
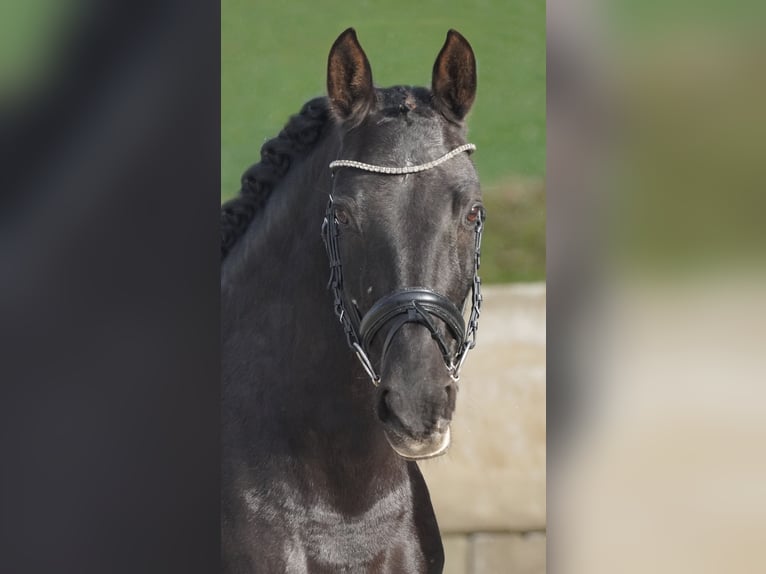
[[409, 449]]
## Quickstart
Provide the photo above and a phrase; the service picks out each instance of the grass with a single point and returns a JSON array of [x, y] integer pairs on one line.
[[30, 36], [514, 244], [273, 58]]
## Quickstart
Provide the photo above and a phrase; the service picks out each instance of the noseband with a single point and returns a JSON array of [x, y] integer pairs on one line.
[[418, 305]]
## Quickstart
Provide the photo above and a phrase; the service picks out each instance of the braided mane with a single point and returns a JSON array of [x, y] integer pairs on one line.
[[300, 134]]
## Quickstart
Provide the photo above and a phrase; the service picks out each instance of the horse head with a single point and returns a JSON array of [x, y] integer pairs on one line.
[[403, 230]]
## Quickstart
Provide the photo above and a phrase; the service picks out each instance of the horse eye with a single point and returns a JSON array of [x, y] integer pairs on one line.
[[341, 216], [475, 213]]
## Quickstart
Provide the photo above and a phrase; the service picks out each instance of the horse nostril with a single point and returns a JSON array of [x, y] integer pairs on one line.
[[384, 411]]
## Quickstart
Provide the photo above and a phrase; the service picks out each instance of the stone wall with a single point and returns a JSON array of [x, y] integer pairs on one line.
[[489, 489]]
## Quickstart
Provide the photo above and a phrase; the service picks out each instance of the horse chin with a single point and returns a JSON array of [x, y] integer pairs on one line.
[[410, 449]]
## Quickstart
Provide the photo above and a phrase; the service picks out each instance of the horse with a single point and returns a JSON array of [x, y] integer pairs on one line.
[[332, 392]]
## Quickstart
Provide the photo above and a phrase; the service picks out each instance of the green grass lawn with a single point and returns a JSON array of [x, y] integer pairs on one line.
[[273, 58], [30, 36]]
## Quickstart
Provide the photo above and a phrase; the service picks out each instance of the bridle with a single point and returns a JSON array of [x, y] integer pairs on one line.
[[409, 305]]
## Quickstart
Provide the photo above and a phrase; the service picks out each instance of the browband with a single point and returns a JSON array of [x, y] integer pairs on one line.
[[469, 147]]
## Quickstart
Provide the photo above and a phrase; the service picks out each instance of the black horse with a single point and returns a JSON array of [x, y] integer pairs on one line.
[[322, 421]]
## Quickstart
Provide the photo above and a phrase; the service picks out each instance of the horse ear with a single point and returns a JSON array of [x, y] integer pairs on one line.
[[454, 77], [349, 79]]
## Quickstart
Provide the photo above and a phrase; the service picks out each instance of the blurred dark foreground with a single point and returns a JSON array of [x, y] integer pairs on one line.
[[109, 294], [109, 291]]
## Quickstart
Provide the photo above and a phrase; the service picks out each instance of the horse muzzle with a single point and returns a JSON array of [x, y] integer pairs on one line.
[[416, 398], [436, 445]]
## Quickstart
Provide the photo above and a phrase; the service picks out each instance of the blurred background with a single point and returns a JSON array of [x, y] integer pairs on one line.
[[656, 291], [489, 490]]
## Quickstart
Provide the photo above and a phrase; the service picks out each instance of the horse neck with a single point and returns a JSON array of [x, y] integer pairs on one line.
[[301, 382]]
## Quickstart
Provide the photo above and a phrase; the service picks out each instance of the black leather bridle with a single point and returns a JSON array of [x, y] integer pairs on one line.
[[419, 305]]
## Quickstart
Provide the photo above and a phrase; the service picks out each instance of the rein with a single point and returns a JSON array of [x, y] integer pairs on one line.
[[409, 305]]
